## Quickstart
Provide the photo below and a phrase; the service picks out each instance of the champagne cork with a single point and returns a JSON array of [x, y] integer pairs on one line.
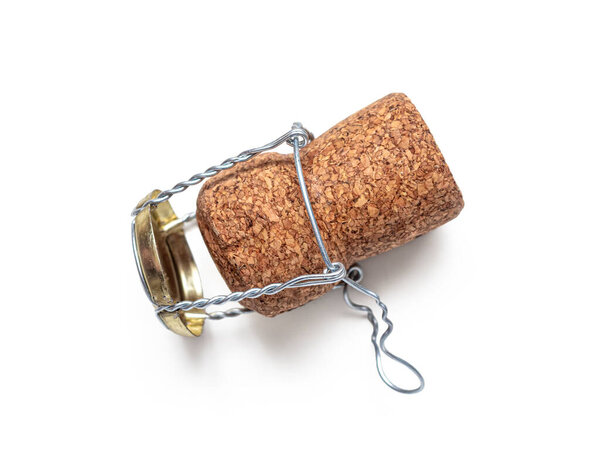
[[376, 181]]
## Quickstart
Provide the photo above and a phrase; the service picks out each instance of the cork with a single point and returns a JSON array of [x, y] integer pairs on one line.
[[376, 181]]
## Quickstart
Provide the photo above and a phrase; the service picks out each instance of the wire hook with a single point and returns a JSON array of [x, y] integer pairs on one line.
[[379, 345]]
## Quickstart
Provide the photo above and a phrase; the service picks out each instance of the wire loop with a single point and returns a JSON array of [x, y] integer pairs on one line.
[[379, 345]]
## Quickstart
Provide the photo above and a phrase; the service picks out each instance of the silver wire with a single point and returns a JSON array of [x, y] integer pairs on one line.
[[334, 273], [379, 346], [308, 205], [337, 274], [296, 132]]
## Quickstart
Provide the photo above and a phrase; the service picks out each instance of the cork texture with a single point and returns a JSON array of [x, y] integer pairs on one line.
[[376, 181]]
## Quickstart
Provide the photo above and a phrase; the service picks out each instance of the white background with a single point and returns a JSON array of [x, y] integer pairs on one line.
[[100, 102]]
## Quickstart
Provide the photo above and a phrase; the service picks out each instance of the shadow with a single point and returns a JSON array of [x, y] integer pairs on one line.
[[289, 333], [292, 336]]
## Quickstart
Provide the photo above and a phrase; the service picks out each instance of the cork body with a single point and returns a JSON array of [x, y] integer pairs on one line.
[[376, 181]]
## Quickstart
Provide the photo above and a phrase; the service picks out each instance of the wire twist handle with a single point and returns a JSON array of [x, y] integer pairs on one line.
[[335, 272]]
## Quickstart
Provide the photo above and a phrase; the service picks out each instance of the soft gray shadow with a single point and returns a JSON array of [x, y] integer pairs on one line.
[[288, 332], [197, 348]]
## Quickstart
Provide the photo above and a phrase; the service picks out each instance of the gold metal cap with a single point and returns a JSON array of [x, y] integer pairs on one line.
[[166, 265]]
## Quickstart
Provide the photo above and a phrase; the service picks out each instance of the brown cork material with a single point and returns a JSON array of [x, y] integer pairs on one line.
[[376, 181]]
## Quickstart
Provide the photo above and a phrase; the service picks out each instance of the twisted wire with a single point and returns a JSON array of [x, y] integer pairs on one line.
[[329, 277], [297, 134], [232, 312]]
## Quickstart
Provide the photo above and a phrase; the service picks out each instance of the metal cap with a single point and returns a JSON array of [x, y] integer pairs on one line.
[[166, 265]]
